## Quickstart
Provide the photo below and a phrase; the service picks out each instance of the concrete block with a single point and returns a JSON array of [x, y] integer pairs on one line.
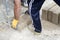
[[45, 10], [59, 19], [49, 17], [54, 12], [44, 14], [25, 20], [55, 18]]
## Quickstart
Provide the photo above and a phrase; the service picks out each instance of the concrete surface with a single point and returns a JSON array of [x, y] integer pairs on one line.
[[50, 31]]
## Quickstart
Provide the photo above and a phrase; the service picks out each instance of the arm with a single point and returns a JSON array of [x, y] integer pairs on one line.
[[17, 9]]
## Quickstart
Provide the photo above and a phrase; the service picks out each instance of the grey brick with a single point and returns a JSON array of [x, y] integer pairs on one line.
[[59, 19], [44, 14], [45, 11], [49, 17], [55, 14]]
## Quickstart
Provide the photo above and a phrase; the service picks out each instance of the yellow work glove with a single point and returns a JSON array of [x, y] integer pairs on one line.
[[14, 23]]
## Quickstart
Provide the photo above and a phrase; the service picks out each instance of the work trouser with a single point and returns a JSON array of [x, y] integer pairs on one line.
[[58, 2], [34, 8]]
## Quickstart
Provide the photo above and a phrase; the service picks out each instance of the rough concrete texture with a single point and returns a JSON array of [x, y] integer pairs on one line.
[[55, 14], [51, 13], [50, 31], [45, 11]]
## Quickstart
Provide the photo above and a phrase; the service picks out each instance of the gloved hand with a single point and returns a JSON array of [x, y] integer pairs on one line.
[[14, 23]]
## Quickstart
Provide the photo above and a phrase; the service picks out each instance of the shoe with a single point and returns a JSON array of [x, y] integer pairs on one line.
[[37, 32], [27, 12], [14, 23], [32, 29]]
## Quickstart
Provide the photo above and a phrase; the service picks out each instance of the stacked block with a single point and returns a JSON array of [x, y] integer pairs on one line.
[[51, 13], [55, 13], [45, 10]]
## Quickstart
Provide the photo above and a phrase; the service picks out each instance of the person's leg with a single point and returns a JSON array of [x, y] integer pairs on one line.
[[27, 12], [17, 6], [57, 1], [28, 2], [34, 8]]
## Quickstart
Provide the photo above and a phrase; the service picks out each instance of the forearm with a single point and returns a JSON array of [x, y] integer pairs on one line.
[[17, 9]]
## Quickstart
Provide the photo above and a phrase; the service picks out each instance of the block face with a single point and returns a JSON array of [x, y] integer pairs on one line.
[[54, 14], [45, 11], [25, 20], [55, 18], [59, 19], [44, 14], [49, 16]]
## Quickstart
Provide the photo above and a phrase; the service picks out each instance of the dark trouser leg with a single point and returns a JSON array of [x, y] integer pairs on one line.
[[27, 12], [29, 1], [58, 2], [34, 8]]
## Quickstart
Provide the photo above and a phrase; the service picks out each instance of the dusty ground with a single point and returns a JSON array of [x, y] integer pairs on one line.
[[50, 31]]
